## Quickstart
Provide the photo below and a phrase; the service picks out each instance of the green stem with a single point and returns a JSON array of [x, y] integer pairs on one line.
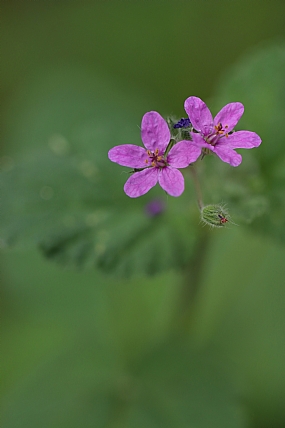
[[191, 283], [194, 270], [197, 186]]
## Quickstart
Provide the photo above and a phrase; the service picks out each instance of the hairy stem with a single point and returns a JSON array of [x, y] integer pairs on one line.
[[197, 186], [191, 283], [193, 272]]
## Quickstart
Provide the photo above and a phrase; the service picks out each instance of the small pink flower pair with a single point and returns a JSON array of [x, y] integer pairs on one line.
[[156, 164]]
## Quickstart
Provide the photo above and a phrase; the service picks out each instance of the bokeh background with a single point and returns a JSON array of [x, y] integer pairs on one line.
[[81, 347]]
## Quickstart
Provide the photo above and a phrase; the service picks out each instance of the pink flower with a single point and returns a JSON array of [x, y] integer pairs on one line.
[[215, 135], [154, 164]]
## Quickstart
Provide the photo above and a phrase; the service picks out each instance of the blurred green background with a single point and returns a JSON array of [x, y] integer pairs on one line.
[[81, 347]]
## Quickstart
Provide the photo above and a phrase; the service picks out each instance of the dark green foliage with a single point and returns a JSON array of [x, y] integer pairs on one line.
[[84, 349], [68, 198], [256, 190]]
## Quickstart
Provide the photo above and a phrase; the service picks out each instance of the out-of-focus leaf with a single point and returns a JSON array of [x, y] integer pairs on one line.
[[241, 190], [254, 191], [68, 198], [258, 82]]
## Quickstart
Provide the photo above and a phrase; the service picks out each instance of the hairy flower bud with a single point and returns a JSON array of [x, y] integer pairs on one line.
[[214, 215]]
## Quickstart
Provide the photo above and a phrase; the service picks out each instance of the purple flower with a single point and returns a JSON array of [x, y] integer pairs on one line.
[[182, 123], [154, 163], [215, 135], [154, 208]]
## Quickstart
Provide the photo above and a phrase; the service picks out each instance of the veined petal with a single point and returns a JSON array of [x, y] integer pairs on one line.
[[183, 153], [141, 182], [229, 116], [154, 131], [243, 140], [198, 141], [228, 155], [129, 155], [199, 115], [171, 180]]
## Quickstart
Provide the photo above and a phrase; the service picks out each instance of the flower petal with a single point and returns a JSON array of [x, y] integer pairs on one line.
[[243, 140], [228, 155], [199, 141], [141, 182], [199, 115], [172, 181], [183, 153], [229, 115], [155, 132], [129, 155]]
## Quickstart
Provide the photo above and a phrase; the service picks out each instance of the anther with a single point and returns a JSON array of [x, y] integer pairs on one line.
[[223, 219]]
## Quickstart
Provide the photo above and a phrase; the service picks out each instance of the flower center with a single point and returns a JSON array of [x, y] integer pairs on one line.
[[155, 159], [219, 131]]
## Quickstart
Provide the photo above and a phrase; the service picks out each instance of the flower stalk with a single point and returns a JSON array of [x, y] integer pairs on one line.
[[197, 186]]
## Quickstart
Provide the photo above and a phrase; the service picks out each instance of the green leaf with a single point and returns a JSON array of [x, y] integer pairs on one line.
[[67, 197], [258, 82], [241, 190], [254, 191]]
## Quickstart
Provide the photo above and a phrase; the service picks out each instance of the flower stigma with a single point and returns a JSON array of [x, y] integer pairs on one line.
[[218, 133], [157, 160]]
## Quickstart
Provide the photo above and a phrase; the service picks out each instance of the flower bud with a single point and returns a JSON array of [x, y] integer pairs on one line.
[[182, 123], [214, 215], [179, 129]]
